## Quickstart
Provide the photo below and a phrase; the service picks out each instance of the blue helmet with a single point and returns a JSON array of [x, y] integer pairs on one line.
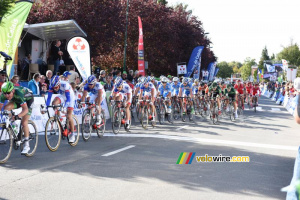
[[185, 80], [91, 80], [118, 78], [55, 81], [118, 82]]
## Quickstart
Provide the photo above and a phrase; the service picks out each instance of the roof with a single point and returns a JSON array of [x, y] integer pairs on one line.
[[58, 30]]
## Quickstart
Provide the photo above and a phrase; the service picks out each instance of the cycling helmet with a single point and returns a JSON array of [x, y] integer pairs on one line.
[[229, 86], [55, 81], [297, 84], [214, 84], [118, 83], [7, 87], [91, 80], [165, 80], [161, 77], [139, 79], [119, 78], [151, 78], [185, 80], [66, 74], [175, 79]]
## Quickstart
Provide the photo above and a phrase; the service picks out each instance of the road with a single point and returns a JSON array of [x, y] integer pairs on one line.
[[147, 169]]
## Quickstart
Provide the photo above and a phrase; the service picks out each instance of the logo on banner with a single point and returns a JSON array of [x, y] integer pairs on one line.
[[78, 44], [205, 73], [181, 69]]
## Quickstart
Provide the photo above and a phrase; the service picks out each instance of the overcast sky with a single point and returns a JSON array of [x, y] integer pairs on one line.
[[241, 28]]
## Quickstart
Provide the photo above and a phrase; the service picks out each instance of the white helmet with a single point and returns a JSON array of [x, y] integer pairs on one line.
[[297, 84], [175, 79]]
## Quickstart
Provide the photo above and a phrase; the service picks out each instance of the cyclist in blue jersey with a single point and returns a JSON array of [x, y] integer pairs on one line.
[[175, 86], [165, 90], [186, 91], [148, 91]]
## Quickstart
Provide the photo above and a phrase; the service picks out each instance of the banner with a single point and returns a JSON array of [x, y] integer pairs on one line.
[[11, 27], [181, 69], [195, 61], [79, 50], [270, 68], [285, 65], [216, 71], [209, 68], [141, 61], [212, 71]]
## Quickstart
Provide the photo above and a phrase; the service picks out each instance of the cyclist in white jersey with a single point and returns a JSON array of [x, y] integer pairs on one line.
[[97, 95]]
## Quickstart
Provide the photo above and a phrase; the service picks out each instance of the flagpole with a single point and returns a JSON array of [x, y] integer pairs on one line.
[[125, 47]]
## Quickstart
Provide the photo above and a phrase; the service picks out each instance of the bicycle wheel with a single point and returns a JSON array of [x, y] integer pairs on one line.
[[144, 119], [101, 129], [231, 113], [183, 115], [153, 121], [162, 114], [124, 118], [116, 121], [86, 126], [6, 143], [215, 115], [75, 133], [33, 138], [52, 134], [170, 116]]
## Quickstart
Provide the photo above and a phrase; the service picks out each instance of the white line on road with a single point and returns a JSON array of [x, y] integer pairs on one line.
[[209, 141], [275, 109], [259, 108], [182, 127], [118, 151]]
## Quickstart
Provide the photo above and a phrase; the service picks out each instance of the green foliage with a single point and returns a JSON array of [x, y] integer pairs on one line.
[[246, 68], [264, 56], [5, 6], [291, 54], [225, 70], [163, 2]]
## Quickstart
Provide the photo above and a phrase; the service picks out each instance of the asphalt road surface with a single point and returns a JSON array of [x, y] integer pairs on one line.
[[142, 164]]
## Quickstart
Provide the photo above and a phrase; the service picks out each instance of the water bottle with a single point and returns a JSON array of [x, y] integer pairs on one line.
[[15, 128]]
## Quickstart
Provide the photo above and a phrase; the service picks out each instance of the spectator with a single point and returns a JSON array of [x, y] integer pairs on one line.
[[66, 75], [42, 64], [97, 72], [42, 81], [25, 67], [130, 76], [56, 55], [33, 85], [73, 74], [15, 80], [2, 77], [117, 74], [73, 85], [102, 76], [43, 89], [124, 75], [109, 83], [48, 78], [114, 72]]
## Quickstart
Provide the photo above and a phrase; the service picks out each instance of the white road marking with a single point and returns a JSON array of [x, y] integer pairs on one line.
[[209, 141], [118, 151], [182, 127], [275, 109], [259, 108]]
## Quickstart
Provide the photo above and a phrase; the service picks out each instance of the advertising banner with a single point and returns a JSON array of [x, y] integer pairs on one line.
[[141, 60], [79, 50], [181, 69], [195, 61], [11, 27]]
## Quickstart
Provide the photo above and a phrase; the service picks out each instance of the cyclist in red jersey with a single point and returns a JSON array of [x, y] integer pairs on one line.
[[240, 90], [255, 91], [249, 88]]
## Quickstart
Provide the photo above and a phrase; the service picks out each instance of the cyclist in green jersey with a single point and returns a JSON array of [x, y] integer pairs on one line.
[[18, 97], [215, 91], [231, 93]]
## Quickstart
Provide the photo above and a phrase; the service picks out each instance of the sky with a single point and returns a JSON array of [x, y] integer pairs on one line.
[[242, 28]]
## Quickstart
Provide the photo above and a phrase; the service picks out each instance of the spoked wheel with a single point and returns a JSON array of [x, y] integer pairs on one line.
[[254, 105], [215, 115], [33, 138], [144, 119], [183, 114], [189, 113], [52, 134], [170, 116], [162, 114], [75, 133], [6, 143], [231, 113], [153, 120], [124, 118], [101, 129], [116, 121], [176, 111], [86, 126]]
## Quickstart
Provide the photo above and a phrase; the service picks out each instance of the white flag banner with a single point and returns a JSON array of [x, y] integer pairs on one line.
[[270, 68], [79, 50], [285, 65], [181, 69]]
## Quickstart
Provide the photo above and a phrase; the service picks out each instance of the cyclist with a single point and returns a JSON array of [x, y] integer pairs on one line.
[[67, 97], [147, 90], [231, 93], [240, 89], [215, 92], [255, 91], [123, 92], [165, 90], [153, 81], [175, 86], [97, 95], [18, 97], [186, 91], [249, 88]]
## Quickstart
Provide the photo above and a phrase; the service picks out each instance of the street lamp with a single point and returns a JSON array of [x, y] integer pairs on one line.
[[125, 45]]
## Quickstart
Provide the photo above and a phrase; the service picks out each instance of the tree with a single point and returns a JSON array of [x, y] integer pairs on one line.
[[246, 68], [264, 57], [290, 53], [5, 6], [170, 35], [225, 70], [163, 2]]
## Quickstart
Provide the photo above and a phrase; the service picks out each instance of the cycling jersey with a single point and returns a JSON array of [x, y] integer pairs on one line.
[[195, 88], [239, 88], [126, 90], [249, 88], [175, 88], [255, 91], [186, 89], [94, 91], [66, 95], [216, 91], [165, 90], [147, 90], [21, 96]]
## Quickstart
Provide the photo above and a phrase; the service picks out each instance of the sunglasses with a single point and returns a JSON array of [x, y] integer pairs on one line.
[[164, 82], [56, 88], [120, 87], [6, 93]]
